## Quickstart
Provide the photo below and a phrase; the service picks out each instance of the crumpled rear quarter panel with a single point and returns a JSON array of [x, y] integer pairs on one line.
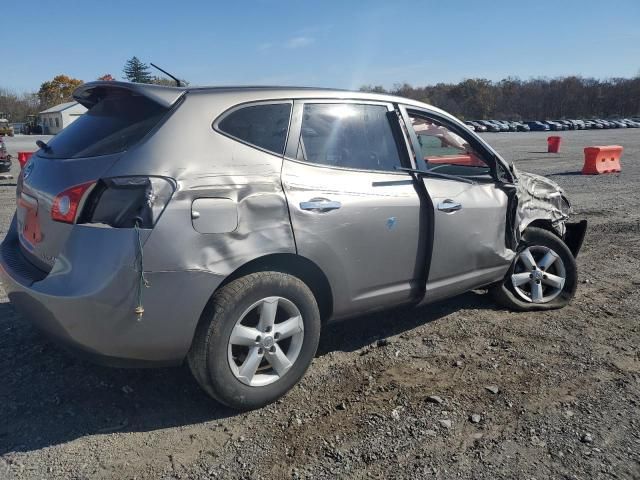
[[207, 164]]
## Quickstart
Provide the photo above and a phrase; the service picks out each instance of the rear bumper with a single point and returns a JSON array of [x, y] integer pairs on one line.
[[87, 301]]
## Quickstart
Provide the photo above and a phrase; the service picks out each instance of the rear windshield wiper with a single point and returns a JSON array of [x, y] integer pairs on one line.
[[429, 173]]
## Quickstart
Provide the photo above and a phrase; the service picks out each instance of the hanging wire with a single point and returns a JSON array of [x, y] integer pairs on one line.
[[142, 280]]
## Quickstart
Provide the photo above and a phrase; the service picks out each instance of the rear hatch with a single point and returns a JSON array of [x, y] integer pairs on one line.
[[58, 179]]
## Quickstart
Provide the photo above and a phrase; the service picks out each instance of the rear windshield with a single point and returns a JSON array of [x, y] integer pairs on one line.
[[113, 125]]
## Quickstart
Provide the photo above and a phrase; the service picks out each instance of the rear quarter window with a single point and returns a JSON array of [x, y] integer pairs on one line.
[[264, 126]]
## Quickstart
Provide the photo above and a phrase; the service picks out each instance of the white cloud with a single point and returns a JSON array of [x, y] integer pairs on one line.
[[298, 42]]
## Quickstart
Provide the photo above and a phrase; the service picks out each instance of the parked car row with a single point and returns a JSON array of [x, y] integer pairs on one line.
[[497, 126], [550, 125]]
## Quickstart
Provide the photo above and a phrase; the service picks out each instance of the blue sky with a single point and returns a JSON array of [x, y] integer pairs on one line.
[[320, 43]]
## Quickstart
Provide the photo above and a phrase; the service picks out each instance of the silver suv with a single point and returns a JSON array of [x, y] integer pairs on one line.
[[226, 226]]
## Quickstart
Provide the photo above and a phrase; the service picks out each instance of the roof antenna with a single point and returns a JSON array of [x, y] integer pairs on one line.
[[178, 82]]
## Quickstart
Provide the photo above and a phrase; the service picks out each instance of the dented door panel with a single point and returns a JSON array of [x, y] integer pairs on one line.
[[370, 245], [469, 243]]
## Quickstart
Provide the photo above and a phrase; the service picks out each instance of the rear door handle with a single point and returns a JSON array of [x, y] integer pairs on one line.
[[320, 205], [449, 206]]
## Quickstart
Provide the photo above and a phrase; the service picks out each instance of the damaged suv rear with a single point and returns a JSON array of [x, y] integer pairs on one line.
[[225, 226]]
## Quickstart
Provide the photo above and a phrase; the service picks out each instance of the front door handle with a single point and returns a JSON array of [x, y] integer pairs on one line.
[[449, 206], [320, 205]]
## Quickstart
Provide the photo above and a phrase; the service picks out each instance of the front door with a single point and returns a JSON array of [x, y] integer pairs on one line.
[[470, 210], [353, 213]]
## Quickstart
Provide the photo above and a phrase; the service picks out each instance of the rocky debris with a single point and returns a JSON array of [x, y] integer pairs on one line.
[[445, 423], [475, 418], [493, 389], [435, 399], [587, 438]]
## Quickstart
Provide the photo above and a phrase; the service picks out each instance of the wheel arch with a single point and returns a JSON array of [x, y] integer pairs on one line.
[[544, 224], [296, 265]]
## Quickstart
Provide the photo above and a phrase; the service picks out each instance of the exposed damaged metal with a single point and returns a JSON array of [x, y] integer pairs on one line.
[[540, 199]]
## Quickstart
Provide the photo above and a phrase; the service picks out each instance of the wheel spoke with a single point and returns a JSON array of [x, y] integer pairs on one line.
[[288, 328], [245, 336], [547, 260], [520, 278], [248, 368], [527, 259], [553, 280], [268, 311], [536, 292], [278, 360]]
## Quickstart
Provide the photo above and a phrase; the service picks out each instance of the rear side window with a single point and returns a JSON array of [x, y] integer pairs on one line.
[[348, 135], [114, 124], [264, 126]]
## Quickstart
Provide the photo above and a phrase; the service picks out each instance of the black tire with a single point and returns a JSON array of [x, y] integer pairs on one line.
[[504, 293], [208, 359]]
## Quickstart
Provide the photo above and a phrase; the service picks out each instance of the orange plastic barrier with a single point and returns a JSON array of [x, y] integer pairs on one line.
[[553, 144], [602, 159], [23, 158]]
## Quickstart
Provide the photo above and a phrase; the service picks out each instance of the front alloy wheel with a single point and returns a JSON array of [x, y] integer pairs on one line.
[[539, 274], [542, 276]]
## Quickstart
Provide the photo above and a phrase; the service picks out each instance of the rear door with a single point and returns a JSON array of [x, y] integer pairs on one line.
[[469, 207], [353, 213], [66, 170]]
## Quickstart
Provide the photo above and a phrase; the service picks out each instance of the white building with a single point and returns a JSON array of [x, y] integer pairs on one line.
[[54, 119]]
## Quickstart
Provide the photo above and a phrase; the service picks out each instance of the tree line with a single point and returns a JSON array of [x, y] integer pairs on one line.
[[476, 98], [534, 99], [17, 106]]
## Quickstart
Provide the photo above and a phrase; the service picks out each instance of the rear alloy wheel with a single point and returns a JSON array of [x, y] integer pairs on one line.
[[543, 275], [256, 339], [266, 341]]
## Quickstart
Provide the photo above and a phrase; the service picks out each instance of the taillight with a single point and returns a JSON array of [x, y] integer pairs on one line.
[[124, 202], [65, 205]]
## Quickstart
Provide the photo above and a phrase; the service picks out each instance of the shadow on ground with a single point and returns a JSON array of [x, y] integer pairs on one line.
[[51, 397], [356, 333]]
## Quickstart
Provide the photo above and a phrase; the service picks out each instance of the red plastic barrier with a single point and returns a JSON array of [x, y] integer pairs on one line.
[[602, 159], [23, 158], [553, 144]]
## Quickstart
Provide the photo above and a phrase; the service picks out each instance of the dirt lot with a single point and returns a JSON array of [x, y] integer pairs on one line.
[[567, 383]]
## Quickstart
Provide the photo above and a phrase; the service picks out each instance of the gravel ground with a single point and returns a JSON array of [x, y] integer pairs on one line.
[[459, 389]]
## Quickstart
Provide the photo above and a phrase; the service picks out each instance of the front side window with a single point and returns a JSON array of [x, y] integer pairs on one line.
[[444, 150], [264, 126], [348, 135]]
